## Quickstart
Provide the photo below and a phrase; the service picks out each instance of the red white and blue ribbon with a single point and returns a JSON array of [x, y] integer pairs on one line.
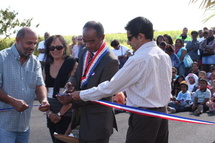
[[141, 111], [94, 62], [8, 109], [151, 113]]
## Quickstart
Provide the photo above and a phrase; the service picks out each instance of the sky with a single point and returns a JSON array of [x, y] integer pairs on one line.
[[67, 17]]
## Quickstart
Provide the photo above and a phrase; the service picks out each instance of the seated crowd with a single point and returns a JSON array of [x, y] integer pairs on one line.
[[193, 86]]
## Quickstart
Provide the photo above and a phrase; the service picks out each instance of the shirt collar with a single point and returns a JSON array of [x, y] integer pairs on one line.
[[146, 45], [15, 52]]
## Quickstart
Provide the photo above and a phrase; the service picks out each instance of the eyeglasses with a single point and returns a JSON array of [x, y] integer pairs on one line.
[[79, 39], [55, 47], [130, 38], [173, 72]]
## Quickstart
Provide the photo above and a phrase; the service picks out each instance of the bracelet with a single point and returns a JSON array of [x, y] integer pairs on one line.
[[49, 114]]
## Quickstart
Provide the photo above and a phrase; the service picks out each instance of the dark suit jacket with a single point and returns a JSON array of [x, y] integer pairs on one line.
[[97, 121]]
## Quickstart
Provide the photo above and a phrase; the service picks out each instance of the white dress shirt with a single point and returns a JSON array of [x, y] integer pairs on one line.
[[121, 51], [41, 45], [75, 51], [146, 76]]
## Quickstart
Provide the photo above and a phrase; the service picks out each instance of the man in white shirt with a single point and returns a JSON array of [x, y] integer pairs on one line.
[[201, 37], [122, 52], [76, 49], [41, 48], [146, 76]]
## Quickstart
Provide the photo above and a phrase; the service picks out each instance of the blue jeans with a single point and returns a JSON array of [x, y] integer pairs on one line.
[[182, 70], [14, 137]]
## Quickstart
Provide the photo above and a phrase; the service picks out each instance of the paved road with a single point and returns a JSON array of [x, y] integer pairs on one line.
[[180, 132]]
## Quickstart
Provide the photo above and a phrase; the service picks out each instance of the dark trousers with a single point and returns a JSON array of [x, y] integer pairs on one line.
[[145, 129], [59, 127], [106, 140]]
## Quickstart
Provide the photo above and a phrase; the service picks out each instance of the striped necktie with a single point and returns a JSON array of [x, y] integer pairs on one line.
[[89, 60]]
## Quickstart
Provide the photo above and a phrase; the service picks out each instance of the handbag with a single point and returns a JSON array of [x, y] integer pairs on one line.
[[187, 61]]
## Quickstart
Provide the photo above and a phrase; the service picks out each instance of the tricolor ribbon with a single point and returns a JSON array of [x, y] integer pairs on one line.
[[7, 109], [151, 113], [141, 111]]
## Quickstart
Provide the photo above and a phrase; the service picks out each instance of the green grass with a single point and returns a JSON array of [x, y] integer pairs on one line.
[[122, 37]]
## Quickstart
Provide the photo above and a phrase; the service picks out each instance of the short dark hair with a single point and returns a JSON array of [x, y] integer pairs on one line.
[[114, 43], [170, 48], [205, 33], [205, 80], [140, 25], [162, 43], [95, 25], [194, 32]]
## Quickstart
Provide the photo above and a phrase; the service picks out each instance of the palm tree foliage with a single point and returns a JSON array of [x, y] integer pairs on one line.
[[208, 6]]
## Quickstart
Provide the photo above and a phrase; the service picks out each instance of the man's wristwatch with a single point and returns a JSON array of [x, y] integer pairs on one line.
[[59, 114]]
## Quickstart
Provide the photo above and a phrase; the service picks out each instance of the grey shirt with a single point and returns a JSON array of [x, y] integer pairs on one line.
[[18, 81]]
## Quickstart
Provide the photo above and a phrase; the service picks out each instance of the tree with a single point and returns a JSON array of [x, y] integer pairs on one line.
[[9, 24], [207, 5]]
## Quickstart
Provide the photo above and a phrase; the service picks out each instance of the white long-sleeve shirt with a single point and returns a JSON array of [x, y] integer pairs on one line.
[[146, 76]]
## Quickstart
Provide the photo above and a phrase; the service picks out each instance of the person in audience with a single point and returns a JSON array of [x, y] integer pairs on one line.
[[78, 47], [159, 39], [174, 73], [176, 87], [205, 29], [208, 74], [201, 97], [212, 87], [195, 68], [202, 74], [181, 52], [211, 103], [205, 35], [201, 37], [208, 51], [74, 42], [41, 48], [174, 58], [121, 51], [192, 81], [183, 100], [193, 46], [212, 78], [168, 39], [184, 36], [163, 45]]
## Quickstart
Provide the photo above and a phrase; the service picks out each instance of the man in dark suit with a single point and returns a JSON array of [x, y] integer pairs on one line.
[[97, 63]]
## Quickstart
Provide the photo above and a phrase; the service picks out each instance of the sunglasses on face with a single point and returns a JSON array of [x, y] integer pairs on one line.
[[55, 47], [130, 38]]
